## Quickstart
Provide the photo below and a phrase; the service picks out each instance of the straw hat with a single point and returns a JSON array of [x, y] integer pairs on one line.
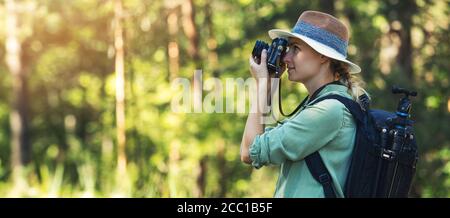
[[324, 33]]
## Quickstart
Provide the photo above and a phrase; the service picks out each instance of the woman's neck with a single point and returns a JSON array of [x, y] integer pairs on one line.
[[316, 82]]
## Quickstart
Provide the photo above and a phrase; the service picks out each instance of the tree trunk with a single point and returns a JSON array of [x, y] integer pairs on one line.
[[404, 58], [201, 178], [212, 64], [172, 46], [190, 29], [212, 42], [174, 59], [222, 168], [120, 87], [173, 178], [400, 15], [20, 146]]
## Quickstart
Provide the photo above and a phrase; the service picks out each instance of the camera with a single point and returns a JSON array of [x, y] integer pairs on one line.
[[275, 54]]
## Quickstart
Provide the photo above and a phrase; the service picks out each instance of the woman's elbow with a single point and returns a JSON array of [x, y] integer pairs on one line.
[[245, 157]]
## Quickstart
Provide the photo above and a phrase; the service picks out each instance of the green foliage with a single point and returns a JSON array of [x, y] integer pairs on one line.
[[68, 49]]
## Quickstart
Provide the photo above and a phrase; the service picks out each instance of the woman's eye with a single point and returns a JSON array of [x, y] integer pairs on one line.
[[293, 48]]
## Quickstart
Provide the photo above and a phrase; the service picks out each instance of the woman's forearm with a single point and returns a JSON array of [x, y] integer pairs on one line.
[[254, 125]]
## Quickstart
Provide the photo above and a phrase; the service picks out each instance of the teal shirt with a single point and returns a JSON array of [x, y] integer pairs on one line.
[[327, 127]]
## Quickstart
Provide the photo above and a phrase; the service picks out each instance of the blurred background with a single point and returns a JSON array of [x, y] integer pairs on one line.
[[85, 91]]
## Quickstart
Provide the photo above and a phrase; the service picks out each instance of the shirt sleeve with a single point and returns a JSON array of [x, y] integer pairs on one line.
[[309, 131]]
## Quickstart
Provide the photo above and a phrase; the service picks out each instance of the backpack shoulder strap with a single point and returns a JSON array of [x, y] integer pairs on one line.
[[350, 104], [315, 162], [320, 173]]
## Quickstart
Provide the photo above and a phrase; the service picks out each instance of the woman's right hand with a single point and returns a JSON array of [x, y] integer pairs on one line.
[[259, 70]]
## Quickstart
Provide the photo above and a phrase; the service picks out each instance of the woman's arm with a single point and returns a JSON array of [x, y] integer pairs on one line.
[[254, 125], [299, 137]]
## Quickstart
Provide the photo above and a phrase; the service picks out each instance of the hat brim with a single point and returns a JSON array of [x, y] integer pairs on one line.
[[319, 47]]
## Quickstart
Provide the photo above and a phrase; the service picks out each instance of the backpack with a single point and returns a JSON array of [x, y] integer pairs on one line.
[[385, 154]]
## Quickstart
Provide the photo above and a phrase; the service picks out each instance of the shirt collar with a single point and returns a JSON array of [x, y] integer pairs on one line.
[[330, 87]]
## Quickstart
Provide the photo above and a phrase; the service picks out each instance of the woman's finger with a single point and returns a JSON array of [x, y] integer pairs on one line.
[[251, 61], [263, 57]]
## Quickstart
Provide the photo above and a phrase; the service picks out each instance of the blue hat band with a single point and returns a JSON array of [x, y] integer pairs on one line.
[[323, 36]]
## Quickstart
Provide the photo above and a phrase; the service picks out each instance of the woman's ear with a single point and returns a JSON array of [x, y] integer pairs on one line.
[[324, 59]]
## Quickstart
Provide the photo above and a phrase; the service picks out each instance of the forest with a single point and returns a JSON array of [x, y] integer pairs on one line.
[[87, 91]]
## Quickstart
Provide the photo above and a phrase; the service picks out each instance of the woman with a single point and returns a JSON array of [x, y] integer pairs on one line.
[[316, 57]]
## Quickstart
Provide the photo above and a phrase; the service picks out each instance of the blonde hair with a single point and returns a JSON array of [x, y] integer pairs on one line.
[[354, 84]]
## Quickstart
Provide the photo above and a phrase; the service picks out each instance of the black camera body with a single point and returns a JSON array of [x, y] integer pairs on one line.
[[275, 54]]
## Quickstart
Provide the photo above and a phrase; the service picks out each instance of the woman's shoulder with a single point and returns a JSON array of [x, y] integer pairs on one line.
[[328, 104], [326, 111]]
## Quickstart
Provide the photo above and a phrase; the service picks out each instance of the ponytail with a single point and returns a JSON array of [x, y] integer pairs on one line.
[[354, 84]]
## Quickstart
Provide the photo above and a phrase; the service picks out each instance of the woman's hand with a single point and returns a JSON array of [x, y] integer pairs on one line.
[[259, 70]]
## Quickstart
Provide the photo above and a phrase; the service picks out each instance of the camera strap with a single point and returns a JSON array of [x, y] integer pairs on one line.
[[313, 96]]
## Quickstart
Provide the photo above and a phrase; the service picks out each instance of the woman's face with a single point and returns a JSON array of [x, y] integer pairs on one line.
[[302, 62]]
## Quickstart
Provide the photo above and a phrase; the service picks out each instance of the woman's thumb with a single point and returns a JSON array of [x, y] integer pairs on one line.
[[263, 57]]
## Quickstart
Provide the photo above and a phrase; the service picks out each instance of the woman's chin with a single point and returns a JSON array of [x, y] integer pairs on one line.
[[291, 77]]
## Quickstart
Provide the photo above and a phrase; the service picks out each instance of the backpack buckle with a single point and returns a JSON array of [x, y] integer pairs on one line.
[[324, 178], [387, 154], [364, 101]]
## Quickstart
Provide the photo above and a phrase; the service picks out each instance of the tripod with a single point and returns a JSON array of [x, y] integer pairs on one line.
[[403, 147]]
